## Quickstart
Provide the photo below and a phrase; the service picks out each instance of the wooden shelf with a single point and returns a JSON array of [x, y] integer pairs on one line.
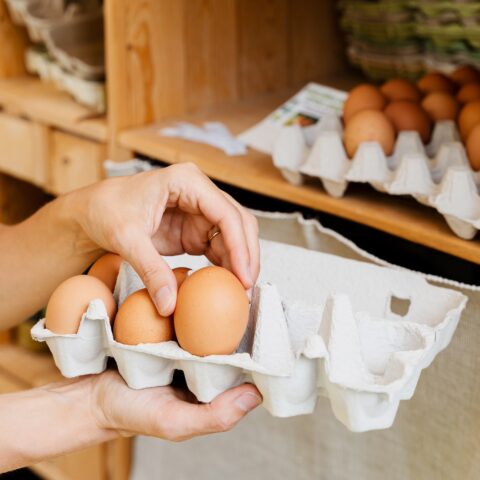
[[31, 98], [400, 216], [24, 369]]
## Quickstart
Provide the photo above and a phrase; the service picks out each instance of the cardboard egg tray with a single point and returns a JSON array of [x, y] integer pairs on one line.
[[87, 92], [319, 324], [438, 175]]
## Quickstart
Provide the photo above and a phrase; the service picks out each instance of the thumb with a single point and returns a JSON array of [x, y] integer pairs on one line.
[[155, 274], [189, 420]]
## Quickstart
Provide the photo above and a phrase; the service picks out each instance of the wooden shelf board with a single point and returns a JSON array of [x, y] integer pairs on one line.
[[27, 369], [400, 216], [31, 98]]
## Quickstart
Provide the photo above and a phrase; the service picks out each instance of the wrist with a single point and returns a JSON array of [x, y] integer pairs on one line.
[[71, 212], [75, 404]]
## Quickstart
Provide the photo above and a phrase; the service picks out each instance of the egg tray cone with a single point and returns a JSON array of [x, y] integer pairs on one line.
[[438, 174], [319, 325]]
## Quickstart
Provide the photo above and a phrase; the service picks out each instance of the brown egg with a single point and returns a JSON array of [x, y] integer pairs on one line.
[[440, 106], [106, 269], [469, 93], [400, 89], [138, 321], [465, 74], [408, 116], [369, 126], [468, 118], [211, 313], [473, 148], [362, 97], [181, 273], [70, 300], [436, 82]]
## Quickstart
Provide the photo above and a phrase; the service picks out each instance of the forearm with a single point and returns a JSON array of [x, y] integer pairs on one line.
[[37, 255], [46, 422]]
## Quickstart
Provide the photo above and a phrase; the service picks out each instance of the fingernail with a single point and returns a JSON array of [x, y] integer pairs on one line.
[[163, 300], [248, 401]]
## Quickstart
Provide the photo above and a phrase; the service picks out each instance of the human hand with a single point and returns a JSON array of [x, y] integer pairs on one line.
[[168, 212], [166, 412]]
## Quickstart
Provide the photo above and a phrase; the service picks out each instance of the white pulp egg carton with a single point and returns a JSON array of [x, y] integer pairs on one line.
[[438, 175], [319, 324]]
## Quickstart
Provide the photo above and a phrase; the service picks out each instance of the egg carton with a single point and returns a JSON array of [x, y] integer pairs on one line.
[[356, 333], [87, 92], [437, 175], [17, 10]]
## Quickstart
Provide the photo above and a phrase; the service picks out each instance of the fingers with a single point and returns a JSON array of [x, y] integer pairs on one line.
[[154, 272], [186, 420], [250, 226], [200, 195]]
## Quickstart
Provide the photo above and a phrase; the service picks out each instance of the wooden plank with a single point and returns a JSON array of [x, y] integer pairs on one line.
[[315, 43], [5, 337], [18, 199], [211, 53], [13, 41], [255, 172], [9, 384], [263, 46], [89, 463], [27, 368], [31, 98], [24, 149], [74, 163], [119, 458]]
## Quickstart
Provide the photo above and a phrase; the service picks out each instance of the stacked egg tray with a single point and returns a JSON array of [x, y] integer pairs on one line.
[[438, 175], [448, 21], [381, 38], [90, 93], [319, 324]]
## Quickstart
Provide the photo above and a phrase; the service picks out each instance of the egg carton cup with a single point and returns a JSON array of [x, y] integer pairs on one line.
[[78, 45], [90, 93], [437, 175], [17, 10], [356, 333], [129, 167], [40, 16]]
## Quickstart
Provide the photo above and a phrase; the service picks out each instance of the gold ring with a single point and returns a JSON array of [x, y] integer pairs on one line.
[[213, 233]]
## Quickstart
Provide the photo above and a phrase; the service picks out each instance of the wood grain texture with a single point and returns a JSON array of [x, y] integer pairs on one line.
[[18, 199], [211, 53], [74, 163], [263, 46], [255, 172], [316, 49], [119, 459], [13, 42], [24, 149], [5, 337], [42, 102]]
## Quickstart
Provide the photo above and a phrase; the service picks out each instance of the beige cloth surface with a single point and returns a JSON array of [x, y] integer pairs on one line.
[[436, 434]]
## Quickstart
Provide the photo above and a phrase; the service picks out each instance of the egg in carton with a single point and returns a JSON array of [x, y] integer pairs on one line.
[[438, 174], [319, 325]]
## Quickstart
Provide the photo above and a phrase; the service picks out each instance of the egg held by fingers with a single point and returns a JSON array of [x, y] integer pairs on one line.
[[138, 321], [212, 312]]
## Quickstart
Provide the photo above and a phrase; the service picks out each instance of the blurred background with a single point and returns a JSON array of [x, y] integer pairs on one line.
[[87, 85]]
